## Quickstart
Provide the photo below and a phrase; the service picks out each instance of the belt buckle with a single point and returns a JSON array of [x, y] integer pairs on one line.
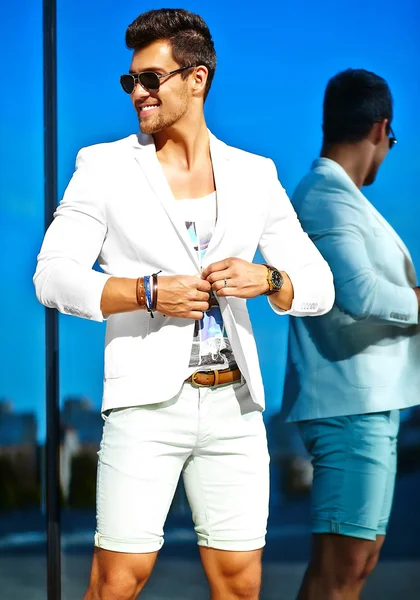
[[197, 383]]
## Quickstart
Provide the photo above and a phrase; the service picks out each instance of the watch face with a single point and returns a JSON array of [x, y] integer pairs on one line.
[[276, 279]]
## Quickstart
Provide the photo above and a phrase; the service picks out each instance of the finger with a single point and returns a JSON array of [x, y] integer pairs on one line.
[[223, 283], [217, 266], [220, 275], [227, 291], [196, 315], [200, 306], [202, 285], [202, 296]]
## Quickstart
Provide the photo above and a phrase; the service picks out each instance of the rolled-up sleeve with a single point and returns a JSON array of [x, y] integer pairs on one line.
[[64, 277], [288, 248]]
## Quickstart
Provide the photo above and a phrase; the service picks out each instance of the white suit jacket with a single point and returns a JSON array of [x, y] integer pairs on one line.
[[364, 355], [119, 209]]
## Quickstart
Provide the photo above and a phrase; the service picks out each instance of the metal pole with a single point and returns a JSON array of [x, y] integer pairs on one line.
[[51, 316]]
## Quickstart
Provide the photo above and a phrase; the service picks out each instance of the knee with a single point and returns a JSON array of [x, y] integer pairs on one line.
[[244, 583], [371, 562], [353, 569], [244, 588], [116, 585]]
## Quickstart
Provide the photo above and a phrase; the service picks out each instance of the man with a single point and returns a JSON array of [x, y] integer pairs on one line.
[[351, 371], [174, 217]]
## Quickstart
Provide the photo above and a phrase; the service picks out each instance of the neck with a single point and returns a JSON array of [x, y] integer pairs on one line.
[[184, 143], [354, 158]]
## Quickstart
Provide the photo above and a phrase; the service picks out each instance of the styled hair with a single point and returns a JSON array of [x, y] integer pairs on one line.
[[354, 100], [187, 33]]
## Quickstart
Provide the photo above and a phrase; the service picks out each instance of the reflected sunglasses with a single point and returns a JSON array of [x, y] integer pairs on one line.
[[391, 138], [149, 80]]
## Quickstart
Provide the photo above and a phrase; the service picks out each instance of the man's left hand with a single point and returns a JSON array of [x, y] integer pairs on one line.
[[237, 277]]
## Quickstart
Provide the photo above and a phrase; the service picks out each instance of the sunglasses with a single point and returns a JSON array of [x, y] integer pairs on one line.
[[391, 138], [149, 80]]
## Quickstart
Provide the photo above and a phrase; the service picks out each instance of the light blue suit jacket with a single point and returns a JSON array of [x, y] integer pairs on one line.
[[364, 355]]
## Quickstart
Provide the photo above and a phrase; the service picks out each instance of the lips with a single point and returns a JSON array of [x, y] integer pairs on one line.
[[147, 108]]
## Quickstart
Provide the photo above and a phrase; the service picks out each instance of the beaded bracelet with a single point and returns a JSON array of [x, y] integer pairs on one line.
[[140, 292], [149, 299]]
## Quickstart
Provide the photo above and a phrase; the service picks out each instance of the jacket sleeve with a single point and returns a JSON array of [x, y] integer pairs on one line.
[[334, 224], [64, 277], [287, 247]]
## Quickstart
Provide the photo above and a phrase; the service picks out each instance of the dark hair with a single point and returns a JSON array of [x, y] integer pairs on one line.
[[354, 100], [187, 33]]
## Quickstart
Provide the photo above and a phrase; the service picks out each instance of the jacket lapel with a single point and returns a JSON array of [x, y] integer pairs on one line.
[[145, 154], [220, 162]]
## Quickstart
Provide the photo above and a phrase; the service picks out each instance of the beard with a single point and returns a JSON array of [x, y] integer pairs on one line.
[[155, 124]]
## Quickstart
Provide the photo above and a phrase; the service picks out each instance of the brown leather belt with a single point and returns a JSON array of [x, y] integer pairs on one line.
[[214, 378]]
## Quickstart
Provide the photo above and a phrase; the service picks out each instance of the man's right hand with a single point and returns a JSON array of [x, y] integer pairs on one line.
[[183, 296]]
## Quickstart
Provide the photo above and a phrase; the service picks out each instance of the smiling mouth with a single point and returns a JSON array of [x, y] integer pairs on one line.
[[147, 108]]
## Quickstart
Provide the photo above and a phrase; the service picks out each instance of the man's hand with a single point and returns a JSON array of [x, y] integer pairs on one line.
[[237, 277], [183, 296]]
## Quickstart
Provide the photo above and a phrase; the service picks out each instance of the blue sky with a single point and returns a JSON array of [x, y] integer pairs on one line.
[[273, 65]]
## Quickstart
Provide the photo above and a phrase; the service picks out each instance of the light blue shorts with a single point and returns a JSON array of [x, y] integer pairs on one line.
[[354, 459]]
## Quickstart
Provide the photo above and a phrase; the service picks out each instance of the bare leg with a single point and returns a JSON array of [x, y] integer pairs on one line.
[[339, 567], [232, 575], [119, 576]]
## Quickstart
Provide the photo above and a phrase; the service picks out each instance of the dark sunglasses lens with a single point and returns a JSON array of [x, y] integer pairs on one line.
[[127, 83], [392, 142], [150, 81]]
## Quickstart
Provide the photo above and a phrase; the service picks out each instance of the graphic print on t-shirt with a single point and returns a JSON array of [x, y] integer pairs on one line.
[[211, 347]]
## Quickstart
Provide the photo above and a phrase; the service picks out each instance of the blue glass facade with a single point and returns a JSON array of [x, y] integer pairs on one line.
[[273, 65]]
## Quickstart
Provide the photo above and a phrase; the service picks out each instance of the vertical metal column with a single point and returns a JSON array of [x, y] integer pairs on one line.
[[51, 317]]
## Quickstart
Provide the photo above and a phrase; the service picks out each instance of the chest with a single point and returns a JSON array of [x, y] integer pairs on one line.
[[194, 182], [146, 223]]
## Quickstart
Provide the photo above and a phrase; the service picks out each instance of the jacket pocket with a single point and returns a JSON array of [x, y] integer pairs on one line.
[[123, 344]]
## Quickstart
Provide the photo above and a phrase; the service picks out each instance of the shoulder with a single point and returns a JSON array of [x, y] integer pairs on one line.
[[324, 199], [100, 154], [323, 187], [245, 158]]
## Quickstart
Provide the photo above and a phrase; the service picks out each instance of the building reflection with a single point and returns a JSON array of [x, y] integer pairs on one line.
[[81, 431], [21, 457]]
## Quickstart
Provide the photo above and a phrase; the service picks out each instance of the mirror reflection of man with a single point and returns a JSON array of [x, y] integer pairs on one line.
[[350, 372]]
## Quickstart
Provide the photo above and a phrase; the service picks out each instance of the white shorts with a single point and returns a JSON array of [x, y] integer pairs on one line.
[[216, 438]]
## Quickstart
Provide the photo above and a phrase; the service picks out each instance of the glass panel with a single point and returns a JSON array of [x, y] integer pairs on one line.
[[22, 384], [82, 115]]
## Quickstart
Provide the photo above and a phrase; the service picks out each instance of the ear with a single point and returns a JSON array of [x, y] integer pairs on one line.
[[379, 131], [200, 79]]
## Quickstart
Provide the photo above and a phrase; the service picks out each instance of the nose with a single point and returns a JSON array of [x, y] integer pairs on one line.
[[139, 93]]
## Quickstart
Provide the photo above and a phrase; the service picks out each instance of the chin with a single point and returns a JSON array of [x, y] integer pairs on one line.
[[153, 126], [148, 128], [368, 181], [370, 178]]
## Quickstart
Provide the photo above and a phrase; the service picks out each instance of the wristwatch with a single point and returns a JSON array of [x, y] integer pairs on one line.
[[275, 280]]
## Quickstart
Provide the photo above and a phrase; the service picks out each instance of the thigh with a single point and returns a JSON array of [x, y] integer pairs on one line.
[[142, 453], [227, 476], [351, 459]]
